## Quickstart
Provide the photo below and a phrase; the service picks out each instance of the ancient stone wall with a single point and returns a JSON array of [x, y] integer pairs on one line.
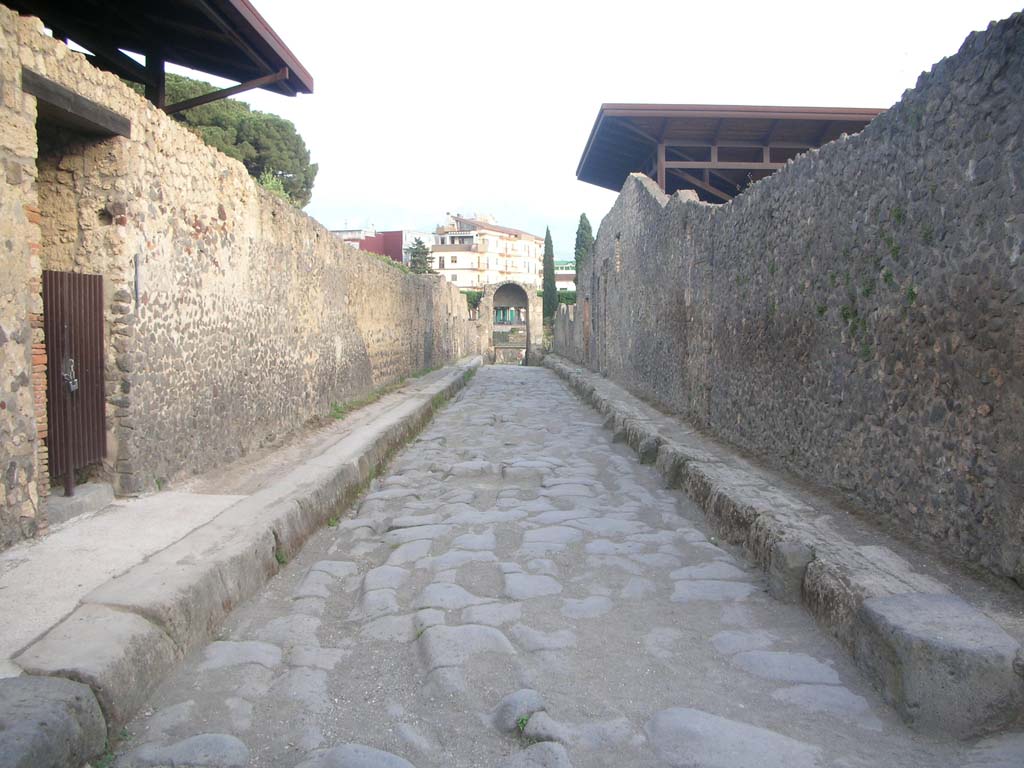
[[232, 318], [858, 317]]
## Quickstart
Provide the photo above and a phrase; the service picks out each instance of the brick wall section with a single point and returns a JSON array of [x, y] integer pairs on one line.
[[858, 317], [231, 317]]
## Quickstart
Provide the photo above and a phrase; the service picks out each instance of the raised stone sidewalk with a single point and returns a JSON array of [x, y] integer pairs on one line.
[[942, 646], [125, 635]]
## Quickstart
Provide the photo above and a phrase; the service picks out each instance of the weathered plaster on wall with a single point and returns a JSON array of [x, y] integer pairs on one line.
[[858, 316], [232, 318]]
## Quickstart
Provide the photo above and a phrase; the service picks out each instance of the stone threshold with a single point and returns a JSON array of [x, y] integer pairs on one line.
[[942, 661], [128, 634]]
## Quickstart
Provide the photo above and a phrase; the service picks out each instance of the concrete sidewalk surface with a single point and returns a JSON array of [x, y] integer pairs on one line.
[[115, 599]]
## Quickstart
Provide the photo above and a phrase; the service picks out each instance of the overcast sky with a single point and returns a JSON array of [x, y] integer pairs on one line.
[[484, 107]]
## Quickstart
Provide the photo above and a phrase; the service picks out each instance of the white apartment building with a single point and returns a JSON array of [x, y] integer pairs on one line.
[[474, 252]]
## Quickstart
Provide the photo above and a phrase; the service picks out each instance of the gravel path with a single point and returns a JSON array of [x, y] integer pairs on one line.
[[518, 591]]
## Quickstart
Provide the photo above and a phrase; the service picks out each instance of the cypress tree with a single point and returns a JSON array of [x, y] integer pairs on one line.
[[550, 292], [584, 241]]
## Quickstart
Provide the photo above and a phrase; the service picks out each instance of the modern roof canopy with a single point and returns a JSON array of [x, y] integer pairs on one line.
[[225, 38], [716, 150]]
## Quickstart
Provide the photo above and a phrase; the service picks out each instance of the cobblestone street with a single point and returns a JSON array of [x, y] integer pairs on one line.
[[517, 590]]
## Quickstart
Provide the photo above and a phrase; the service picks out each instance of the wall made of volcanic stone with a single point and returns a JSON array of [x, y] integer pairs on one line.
[[231, 318], [858, 317]]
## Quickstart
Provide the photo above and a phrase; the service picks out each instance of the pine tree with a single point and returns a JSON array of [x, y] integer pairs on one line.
[[419, 258], [584, 241], [550, 292]]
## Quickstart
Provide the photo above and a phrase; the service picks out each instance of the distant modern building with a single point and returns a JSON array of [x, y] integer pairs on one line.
[[474, 252], [392, 243], [565, 275], [715, 150]]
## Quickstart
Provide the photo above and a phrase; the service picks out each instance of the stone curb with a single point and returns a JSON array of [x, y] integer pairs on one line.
[[945, 666], [127, 635]]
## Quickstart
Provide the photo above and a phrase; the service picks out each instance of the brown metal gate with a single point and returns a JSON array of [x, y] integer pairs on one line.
[[73, 323]]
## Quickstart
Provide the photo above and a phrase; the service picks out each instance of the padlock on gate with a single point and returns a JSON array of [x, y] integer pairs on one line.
[[69, 374]]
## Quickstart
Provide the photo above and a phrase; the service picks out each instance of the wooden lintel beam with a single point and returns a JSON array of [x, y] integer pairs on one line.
[[688, 165], [711, 190], [259, 82], [59, 105]]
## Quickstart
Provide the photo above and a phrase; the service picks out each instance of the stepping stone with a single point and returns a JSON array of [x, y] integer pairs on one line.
[[355, 756], [404, 535], [789, 667], [230, 653], [525, 586], [444, 646], [377, 602], [689, 737], [456, 558], [833, 700], [447, 596], [410, 552], [411, 521], [216, 750], [385, 577], [314, 584]]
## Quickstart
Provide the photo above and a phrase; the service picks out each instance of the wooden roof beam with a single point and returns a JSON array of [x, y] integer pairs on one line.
[[722, 165], [206, 98], [709, 188]]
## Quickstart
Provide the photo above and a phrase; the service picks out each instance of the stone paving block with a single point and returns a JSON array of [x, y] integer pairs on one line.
[[121, 656], [48, 722], [690, 737], [355, 756]]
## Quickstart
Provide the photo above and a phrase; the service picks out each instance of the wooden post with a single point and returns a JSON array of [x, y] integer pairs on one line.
[[661, 165], [156, 91]]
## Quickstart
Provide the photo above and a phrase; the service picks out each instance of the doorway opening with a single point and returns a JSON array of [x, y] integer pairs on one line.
[[511, 335]]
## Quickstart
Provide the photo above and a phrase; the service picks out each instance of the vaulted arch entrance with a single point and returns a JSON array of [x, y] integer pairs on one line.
[[514, 312]]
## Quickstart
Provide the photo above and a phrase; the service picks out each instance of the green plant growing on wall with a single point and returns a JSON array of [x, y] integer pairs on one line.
[[261, 141], [271, 182], [473, 298]]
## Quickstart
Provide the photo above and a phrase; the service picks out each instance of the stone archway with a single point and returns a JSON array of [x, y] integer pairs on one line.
[[513, 313]]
